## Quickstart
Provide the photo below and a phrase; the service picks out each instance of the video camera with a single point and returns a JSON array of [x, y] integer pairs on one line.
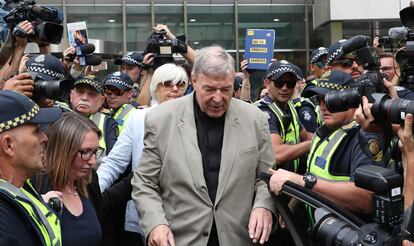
[[164, 48], [336, 226], [46, 21]]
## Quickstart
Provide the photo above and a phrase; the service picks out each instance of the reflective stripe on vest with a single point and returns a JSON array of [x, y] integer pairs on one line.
[[322, 151], [43, 217], [290, 135], [122, 114], [99, 119]]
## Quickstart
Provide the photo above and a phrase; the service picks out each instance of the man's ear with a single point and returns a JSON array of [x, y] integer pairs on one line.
[[101, 100], [130, 93], [266, 83], [7, 144]]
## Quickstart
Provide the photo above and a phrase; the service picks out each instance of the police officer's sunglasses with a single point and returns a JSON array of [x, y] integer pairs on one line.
[[280, 83], [170, 84], [113, 90]]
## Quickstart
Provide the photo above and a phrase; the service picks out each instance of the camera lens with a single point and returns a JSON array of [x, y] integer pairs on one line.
[[54, 89], [339, 101], [391, 110]]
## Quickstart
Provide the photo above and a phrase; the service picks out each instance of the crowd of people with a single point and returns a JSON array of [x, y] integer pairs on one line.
[[177, 162]]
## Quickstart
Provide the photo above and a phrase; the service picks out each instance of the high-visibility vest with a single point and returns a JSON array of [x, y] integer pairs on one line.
[[42, 218], [122, 114], [291, 134], [320, 156], [99, 119]]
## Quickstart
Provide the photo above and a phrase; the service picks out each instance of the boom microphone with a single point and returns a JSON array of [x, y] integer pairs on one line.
[[92, 60], [398, 33], [354, 43], [85, 49]]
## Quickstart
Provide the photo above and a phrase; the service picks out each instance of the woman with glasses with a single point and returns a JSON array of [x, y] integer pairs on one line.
[[71, 154], [169, 81]]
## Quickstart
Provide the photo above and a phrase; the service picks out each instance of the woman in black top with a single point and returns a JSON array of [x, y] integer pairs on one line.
[[71, 153]]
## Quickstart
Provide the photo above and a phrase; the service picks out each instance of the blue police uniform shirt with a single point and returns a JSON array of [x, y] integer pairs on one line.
[[350, 155], [274, 124], [308, 117]]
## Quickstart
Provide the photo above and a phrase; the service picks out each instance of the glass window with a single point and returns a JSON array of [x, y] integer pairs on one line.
[[172, 16], [138, 24], [211, 24], [103, 22], [287, 21]]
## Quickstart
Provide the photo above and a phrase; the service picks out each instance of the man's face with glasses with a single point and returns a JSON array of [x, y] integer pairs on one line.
[[388, 68], [168, 89], [349, 66], [281, 90], [116, 97]]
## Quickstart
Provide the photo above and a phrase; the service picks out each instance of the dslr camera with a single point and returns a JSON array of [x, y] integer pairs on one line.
[[388, 209], [46, 21], [164, 48], [51, 89]]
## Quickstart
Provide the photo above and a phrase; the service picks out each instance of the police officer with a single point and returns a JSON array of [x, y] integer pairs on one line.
[[308, 112], [290, 140], [336, 151], [25, 219], [318, 61], [118, 93], [87, 98]]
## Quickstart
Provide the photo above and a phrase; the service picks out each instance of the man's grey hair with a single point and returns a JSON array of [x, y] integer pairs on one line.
[[167, 72], [213, 61]]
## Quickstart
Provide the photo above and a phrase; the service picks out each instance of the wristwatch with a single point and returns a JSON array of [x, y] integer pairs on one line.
[[310, 180]]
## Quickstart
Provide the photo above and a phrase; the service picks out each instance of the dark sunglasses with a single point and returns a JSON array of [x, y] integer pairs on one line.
[[280, 83], [345, 63], [116, 91], [320, 64], [170, 85], [318, 98]]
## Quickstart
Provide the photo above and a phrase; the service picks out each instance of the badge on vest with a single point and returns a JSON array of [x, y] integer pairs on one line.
[[320, 162], [120, 122]]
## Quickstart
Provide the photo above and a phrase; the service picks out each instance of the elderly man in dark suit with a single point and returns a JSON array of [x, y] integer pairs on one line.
[[197, 182]]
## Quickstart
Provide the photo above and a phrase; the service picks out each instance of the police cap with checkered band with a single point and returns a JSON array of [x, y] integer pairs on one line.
[[16, 109], [335, 80], [277, 69], [132, 58], [119, 80], [318, 53], [47, 67], [90, 80]]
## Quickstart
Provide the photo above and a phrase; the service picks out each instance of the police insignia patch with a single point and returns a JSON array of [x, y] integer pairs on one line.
[[374, 147], [267, 114], [306, 116]]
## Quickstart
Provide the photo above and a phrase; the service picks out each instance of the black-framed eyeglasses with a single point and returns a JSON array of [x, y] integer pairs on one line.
[[280, 83], [86, 154], [170, 84]]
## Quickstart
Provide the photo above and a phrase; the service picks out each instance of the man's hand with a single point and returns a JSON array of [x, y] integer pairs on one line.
[[160, 27], [46, 197], [161, 235], [23, 29], [260, 225], [22, 83], [243, 67], [148, 58], [279, 178]]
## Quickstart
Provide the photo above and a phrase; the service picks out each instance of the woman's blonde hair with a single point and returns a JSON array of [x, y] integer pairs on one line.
[[65, 138]]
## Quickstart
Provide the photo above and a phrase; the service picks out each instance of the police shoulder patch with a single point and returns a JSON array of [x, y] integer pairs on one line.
[[374, 147], [306, 116]]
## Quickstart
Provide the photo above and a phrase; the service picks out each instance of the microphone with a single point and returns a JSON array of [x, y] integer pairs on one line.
[[398, 33], [85, 49], [92, 60], [354, 43]]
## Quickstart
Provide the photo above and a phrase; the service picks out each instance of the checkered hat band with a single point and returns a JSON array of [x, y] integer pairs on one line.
[[319, 54], [128, 58], [331, 58], [118, 81], [284, 69], [89, 82], [46, 71], [332, 86], [19, 120]]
